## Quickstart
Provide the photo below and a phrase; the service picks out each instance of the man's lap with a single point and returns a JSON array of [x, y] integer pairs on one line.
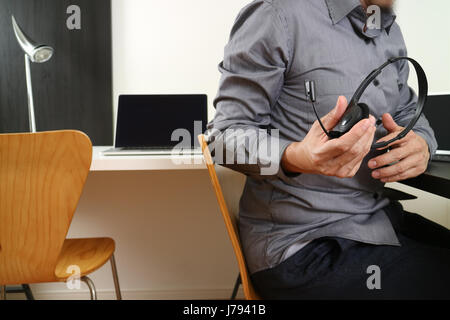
[[334, 268]]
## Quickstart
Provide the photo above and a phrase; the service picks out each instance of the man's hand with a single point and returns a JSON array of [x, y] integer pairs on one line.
[[410, 155], [342, 157]]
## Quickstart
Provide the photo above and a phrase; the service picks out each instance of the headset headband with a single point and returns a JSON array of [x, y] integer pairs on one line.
[[423, 94]]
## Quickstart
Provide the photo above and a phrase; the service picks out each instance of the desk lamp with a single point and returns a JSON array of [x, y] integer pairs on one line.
[[34, 52]]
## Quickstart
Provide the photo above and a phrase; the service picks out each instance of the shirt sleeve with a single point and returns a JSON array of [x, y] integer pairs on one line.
[[253, 70], [407, 109]]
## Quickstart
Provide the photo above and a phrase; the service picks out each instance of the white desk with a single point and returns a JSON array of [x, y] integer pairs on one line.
[[144, 163]]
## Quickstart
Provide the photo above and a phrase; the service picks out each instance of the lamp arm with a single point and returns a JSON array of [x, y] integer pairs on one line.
[[31, 116]]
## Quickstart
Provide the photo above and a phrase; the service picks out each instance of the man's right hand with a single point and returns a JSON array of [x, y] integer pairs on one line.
[[342, 157]]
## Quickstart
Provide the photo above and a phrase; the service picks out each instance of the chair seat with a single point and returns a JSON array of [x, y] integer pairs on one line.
[[88, 254]]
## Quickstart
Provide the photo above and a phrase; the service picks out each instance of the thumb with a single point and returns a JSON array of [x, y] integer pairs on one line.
[[389, 123], [332, 118]]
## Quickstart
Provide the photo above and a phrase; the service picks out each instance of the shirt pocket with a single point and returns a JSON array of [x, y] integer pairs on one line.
[[329, 86]]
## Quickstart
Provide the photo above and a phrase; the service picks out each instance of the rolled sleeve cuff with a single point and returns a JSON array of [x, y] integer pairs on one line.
[[282, 174]]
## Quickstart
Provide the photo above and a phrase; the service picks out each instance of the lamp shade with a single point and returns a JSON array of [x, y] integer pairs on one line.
[[38, 53]]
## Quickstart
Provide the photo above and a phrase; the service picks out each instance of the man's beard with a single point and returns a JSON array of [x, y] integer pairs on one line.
[[384, 4]]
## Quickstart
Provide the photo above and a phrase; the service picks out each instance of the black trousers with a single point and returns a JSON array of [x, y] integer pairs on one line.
[[335, 268]]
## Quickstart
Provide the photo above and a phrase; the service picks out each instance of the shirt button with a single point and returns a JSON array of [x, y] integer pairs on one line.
[[376, 82]]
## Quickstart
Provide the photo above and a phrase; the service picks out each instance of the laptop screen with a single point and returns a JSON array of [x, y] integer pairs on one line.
[[150, 120], [437, 111]]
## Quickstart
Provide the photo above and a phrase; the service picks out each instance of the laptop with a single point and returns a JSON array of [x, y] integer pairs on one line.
[[437, 112], [159, 125]]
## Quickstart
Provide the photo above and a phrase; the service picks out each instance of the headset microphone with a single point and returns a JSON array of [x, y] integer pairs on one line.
[[357, 111]]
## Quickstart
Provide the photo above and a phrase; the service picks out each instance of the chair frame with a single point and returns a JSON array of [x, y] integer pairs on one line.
[[231, 225], [43, 178]]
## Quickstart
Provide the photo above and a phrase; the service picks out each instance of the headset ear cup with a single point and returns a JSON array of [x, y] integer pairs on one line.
[[364, 110]]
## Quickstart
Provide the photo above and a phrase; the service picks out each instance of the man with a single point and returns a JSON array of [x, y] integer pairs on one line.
[[320, 227]]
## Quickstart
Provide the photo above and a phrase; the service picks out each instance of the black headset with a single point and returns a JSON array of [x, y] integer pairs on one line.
[[357, 111]]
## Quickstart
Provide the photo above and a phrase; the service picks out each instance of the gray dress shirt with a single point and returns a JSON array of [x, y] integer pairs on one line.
[[275, 45]]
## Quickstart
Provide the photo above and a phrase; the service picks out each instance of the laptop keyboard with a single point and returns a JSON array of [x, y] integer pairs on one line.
[[147, 148]]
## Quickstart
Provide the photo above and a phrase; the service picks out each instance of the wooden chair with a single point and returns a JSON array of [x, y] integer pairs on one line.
[[42, 176], [228, 186]]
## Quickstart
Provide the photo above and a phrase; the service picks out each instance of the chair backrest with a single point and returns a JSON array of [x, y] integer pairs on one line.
[[42, 176], [228, 186]]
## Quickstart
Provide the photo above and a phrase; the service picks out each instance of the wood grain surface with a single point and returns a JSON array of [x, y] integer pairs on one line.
[[228, 186], [41, 181]]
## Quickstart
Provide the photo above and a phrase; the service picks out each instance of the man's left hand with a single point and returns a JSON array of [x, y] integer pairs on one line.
[[409, 156]]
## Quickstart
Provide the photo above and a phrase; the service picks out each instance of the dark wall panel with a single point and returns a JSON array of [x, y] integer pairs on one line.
[[74, 89]]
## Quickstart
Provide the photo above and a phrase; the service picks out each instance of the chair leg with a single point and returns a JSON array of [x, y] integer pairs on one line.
[[115, 277], [28, 292], [3, 293], [91, 287], [236, 287]]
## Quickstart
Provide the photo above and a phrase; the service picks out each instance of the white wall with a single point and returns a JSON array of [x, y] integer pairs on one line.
[[170, 46], [426, 31], [171, 242]]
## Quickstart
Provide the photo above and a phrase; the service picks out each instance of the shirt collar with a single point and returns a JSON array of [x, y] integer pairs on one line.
[[339, 9]]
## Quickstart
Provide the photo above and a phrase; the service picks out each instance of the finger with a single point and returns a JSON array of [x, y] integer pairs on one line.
[[411, 173], [396, 169], [348, 140], [394, 155], [332, 118], [389, 124], [355, 165], [362, 148], [395, 143], [388, 137], [393, 129], [351, 161]]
